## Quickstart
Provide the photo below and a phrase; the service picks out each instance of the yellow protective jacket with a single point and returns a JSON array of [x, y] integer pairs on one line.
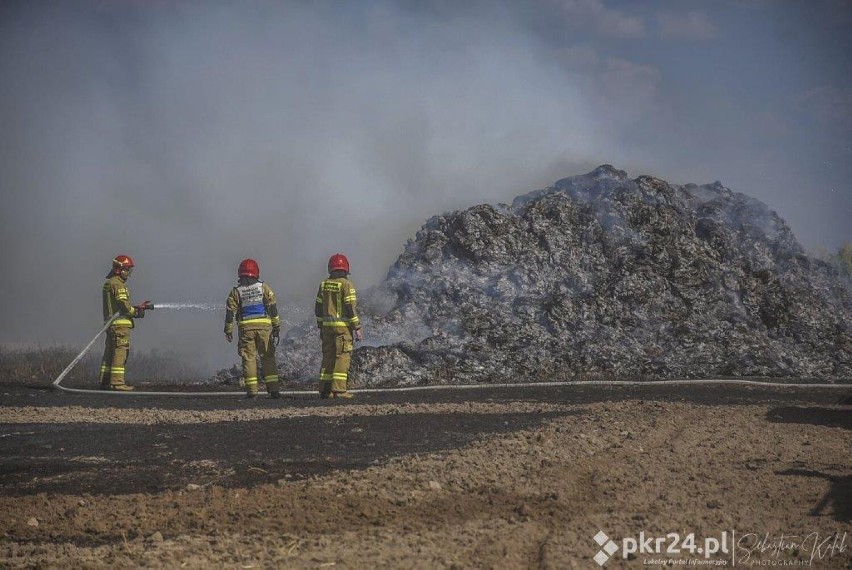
[[253, 305], [336, 305], [116, 298]]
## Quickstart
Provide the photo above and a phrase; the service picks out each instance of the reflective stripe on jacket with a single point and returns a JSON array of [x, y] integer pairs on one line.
[[253, 304], [336, 304], [116, 298]]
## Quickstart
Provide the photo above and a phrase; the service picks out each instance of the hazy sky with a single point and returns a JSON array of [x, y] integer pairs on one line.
[[191, 134]]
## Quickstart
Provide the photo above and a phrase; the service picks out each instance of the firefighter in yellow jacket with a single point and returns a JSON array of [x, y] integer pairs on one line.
[[116, 299], [252, 303], [337, 319]]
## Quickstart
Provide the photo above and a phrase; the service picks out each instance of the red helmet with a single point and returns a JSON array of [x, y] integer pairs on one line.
[[121, 263], [249, 268], [338, 262]]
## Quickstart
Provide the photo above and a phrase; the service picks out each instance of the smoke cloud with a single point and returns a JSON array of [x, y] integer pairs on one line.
[[190, 135]]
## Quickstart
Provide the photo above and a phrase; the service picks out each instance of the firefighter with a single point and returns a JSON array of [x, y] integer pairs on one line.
[[252, 303], [337, 319], [116, 299]]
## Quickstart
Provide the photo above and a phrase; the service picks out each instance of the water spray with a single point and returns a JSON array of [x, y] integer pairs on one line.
[[209, 307]]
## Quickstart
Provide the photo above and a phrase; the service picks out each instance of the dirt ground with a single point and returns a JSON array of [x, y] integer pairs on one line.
[[502, 478]]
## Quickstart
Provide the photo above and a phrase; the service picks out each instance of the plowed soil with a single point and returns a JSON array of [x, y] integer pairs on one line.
[[498, 478]]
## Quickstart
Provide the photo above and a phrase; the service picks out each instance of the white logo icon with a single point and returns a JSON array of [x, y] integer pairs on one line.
[[608, 548]]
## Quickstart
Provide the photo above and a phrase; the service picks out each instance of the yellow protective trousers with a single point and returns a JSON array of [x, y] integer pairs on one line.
[[256, 341], [116, 351], [336, 357]]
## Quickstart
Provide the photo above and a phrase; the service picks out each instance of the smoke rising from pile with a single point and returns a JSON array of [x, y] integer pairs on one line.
[[190, 135]]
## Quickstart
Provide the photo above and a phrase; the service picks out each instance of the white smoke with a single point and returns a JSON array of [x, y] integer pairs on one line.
[[192, 134]]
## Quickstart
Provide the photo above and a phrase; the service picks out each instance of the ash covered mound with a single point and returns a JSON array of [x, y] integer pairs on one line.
[[603, 275]]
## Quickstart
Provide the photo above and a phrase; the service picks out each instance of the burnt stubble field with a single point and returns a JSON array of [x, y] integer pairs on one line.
[[502, 477]]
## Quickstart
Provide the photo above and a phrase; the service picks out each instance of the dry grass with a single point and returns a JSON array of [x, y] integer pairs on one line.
[[39, 367]]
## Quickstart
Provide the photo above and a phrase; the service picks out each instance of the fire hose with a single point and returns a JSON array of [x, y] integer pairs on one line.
[[82, 353]]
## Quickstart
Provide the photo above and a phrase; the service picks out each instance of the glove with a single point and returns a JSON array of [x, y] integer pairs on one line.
[[142, 307], [276, 334], [229, 336], [358, 336]]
